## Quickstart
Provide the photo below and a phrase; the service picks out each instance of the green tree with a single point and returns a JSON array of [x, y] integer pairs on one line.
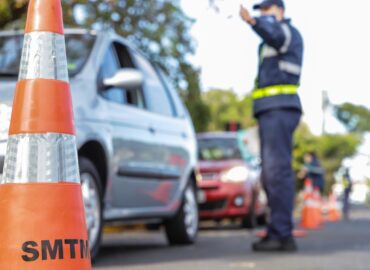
[[246, 111], [355, 118], [159, 28], [225, 106], [198, 110], [11, 11], [331, 150], [304, 141]]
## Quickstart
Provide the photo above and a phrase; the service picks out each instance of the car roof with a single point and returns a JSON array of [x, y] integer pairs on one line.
[[217, 135]]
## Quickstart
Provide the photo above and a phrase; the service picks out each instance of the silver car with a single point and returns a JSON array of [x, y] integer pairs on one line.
[[136, 142]]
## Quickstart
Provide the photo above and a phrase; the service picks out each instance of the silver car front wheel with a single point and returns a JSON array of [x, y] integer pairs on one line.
[[182, 229], [191, 212], [92, 206], [91, 193]]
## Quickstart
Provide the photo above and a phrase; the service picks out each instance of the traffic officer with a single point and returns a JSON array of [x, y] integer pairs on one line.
[[277, 108], [347, 189]]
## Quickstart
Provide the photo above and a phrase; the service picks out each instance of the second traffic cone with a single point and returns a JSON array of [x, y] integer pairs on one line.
[[43, 222], [333, 209], [309, 213], [318, 206], [308, 188]]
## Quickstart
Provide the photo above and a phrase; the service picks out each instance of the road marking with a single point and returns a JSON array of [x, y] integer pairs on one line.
[[245, 265]]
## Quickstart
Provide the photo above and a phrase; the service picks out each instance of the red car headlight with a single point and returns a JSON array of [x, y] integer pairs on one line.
[[236, 174]]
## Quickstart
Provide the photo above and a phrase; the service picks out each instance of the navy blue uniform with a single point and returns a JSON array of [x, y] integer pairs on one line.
[[277, 108], [347, 184]]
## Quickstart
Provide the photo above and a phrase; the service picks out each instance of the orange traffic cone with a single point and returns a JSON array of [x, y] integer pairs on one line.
[[334, 213], [308, 188], [43, 222], [318, 207], [309, 213]]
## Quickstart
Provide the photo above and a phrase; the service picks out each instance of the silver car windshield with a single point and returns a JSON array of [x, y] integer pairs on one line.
[[78, 48]]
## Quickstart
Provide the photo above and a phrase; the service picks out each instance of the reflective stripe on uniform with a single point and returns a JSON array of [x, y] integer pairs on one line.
[[288, 38], [268, 51], [346, 183], [290, 67], [274, 91]]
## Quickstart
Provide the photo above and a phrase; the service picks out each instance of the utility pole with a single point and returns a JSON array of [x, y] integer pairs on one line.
[[325, 102]]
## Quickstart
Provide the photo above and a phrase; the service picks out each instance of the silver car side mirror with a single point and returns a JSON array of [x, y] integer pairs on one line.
[[126, 77]]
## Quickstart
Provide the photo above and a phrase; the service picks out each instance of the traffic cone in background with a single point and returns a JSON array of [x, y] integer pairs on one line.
[[334, 213], [308, 220], [318, 207], [42, 213], [309, 213], [308, 188]]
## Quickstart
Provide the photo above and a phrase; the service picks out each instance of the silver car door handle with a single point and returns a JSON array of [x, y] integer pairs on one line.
[[152, 130]]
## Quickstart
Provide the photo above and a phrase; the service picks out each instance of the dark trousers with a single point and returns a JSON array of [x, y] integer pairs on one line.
[[346, 204], [276, 134]]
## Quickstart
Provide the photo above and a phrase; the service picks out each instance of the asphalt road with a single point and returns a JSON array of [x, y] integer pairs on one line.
[[342, 245]]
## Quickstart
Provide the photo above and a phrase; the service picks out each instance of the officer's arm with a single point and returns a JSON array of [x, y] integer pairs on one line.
[[271, 31], [315, 169]]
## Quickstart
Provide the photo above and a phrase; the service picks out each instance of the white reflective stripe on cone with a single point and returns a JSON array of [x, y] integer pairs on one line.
[[41, 158], [44, 57], [310, 203]]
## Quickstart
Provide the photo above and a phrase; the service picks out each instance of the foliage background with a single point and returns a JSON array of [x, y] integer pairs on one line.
[[162, 31]]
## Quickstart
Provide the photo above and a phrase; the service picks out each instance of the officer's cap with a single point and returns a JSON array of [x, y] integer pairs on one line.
[[269, 3]]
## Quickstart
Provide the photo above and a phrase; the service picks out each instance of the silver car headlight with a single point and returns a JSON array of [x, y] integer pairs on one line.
[[5, 115], [236, 174]]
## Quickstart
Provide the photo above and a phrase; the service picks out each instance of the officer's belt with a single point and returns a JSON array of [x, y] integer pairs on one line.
[[275, 90]]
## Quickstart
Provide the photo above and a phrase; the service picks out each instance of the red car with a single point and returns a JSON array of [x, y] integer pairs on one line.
[[230, 183]]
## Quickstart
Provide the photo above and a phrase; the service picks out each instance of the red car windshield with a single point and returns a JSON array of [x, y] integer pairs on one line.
[[213, 149]]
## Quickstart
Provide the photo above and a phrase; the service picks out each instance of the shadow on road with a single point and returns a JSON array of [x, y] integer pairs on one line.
[[230, 243], [151, 248]]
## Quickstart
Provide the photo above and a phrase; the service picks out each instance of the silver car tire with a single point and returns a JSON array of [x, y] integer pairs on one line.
[[182, 229], [92, 197]]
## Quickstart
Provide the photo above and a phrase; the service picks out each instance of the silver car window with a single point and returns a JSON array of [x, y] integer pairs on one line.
[[157, 96], [109, 67]]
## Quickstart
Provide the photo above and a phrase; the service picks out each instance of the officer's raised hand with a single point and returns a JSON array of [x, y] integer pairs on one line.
[[246, 16]]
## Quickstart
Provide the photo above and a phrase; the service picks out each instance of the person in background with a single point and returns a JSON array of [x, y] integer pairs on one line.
[[347, 186], [313, 170], [244, 146], [277, 108]]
